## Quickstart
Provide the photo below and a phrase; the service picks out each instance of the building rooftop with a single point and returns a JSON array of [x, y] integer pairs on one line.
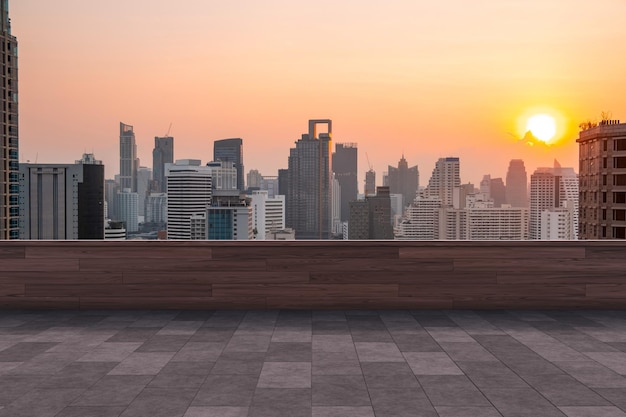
[[64, 363]]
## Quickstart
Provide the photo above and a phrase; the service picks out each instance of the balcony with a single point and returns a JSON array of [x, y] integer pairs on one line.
[[312, 329]]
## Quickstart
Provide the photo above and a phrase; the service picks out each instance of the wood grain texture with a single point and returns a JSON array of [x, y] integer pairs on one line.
[[312, 274]]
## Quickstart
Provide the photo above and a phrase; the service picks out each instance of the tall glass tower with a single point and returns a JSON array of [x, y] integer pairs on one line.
[[9, 156], [129, 164], [231, 150]]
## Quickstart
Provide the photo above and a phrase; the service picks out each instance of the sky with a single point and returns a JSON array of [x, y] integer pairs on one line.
[[424, 79]]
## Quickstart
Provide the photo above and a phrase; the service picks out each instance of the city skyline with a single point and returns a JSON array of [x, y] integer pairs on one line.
[[430, 80]]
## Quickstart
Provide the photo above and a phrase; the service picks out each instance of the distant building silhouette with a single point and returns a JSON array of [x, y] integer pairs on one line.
[[517, 184], [371, 218], [602, 154], [129, 164], [370, 182], [283, 184], [9, 145], [231, 150], [163, 153], [253, 179], [498, 192], [445, 176], [420, 220], [127, 205], [144, 178], [404, 180], [345, 169], [309, 184]]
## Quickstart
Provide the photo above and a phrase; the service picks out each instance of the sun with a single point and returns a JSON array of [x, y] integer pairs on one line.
[[542, 126]]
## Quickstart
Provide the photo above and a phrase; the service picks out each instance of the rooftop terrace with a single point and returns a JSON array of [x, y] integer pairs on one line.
[[356, 363]]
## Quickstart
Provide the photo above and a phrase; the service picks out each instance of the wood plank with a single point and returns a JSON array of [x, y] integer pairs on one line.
[[606, 252], [117, 290], [488, 291], [170, 264], [12, 251], [321, 252], [57, 277], [38, 265], [305, 291], [366, 303], [225, 277], [194, 303], [607, 291], [11, 290], [541, 277], [39, 303], [532, 266], [336, 265], [491, 252], [404, 277], [530, 303], [78, 251]]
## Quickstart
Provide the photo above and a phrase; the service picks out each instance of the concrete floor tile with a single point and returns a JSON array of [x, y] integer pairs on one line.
[[592, 412], [339, 390], [285, 375], [364, 411], [431, 363], [444, 411], [378, 352], [217, 412]]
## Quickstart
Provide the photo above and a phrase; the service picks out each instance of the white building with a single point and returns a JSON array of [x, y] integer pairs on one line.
[[156, 208], [552, 188], [556, 223], [144, 177], [397, 204], [484, 222], [445, 176], [128, 209], [114, 230], [229, 223], [420, 220], [268, 214], [224, 175], [189, 191]]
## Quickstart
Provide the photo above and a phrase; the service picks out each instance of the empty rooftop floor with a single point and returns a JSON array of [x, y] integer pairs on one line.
[[312, 363]]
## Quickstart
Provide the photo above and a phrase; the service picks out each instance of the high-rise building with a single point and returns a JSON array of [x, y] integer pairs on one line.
[[129, 164], [498, 192], [253, 179], [268, 213], [223, 177], [283, 184], [553, 188], [188, 193], [420, 220], [231, 150], [270, 184], [370, 182], [404, 180], [310, 184], [229, 218], [111, 188], [602, 154], [445, 176], [156, 209], [517, 184], [345, 169], [62, 201], [127, 204], [336, 207], [9, 146], [163, 153], [144, 177]]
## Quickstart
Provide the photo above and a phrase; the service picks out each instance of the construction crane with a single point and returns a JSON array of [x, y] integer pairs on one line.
[[368, 162], [168, 130]]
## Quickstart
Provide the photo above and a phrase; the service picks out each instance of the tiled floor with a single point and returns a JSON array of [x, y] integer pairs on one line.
[[312, 363]]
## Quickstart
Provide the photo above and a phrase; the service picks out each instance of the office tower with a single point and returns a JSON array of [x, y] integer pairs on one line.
[[370, 182], [345, 170], [111, 188], [359, 221], [283, 183], [498, 192], [223, 177], [602, 154], [9, 146], [380, 214], [397, 206], [188, 194], [129, 164], [420, 220], [62, 201], [517, 184], [404, 180], [156, 209], [228, 218], [460, 193], [253, 179], [268, 213], [163, 153], [445, 176], [270, 184], [552, 189], [144, 177], [335, 209], [557, 222], [127, 204], [310, 184], [231, 150], [485, 186]]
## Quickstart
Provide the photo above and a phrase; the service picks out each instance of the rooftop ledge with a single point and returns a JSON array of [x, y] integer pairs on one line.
[[312, 275]]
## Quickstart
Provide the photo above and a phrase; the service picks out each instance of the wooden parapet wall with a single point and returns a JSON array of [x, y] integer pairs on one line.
[[311, 275]]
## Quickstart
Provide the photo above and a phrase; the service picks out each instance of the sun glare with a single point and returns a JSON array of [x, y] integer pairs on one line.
[[542, 126]]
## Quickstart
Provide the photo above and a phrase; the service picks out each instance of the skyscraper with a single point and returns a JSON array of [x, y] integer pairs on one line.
[[310, 184], [9, 149], [553, 189], [498, 192], [129, 164], [144, 178], [517, 184], [404, 180], [231, 150], [370, 182], [345, 169], [371, 218], [445, 176], [162, 154], [603, 180]]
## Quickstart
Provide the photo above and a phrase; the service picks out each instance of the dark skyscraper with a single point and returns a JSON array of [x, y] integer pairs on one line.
[[404, 180], [9, 157], [371, 218], [162, 154], [283, 182], [129, 164], [517, 184], [308, 201], [345, 169], [370, 182], [498, 192], [231, 150]]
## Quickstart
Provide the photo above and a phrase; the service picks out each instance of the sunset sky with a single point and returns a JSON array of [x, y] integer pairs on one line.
[[425, 78]]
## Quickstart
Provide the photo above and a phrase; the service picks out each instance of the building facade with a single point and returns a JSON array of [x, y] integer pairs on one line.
[[127, 204], [163, 153], [602, 159], [268, 213], [370, 182], [403, 180], [9, 144], [231, 150], [420, 220], [517, 184], [345, 170], [129, 164], [445, 177]]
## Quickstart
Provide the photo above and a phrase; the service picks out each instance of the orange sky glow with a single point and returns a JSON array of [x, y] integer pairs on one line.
[[426, 79]]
